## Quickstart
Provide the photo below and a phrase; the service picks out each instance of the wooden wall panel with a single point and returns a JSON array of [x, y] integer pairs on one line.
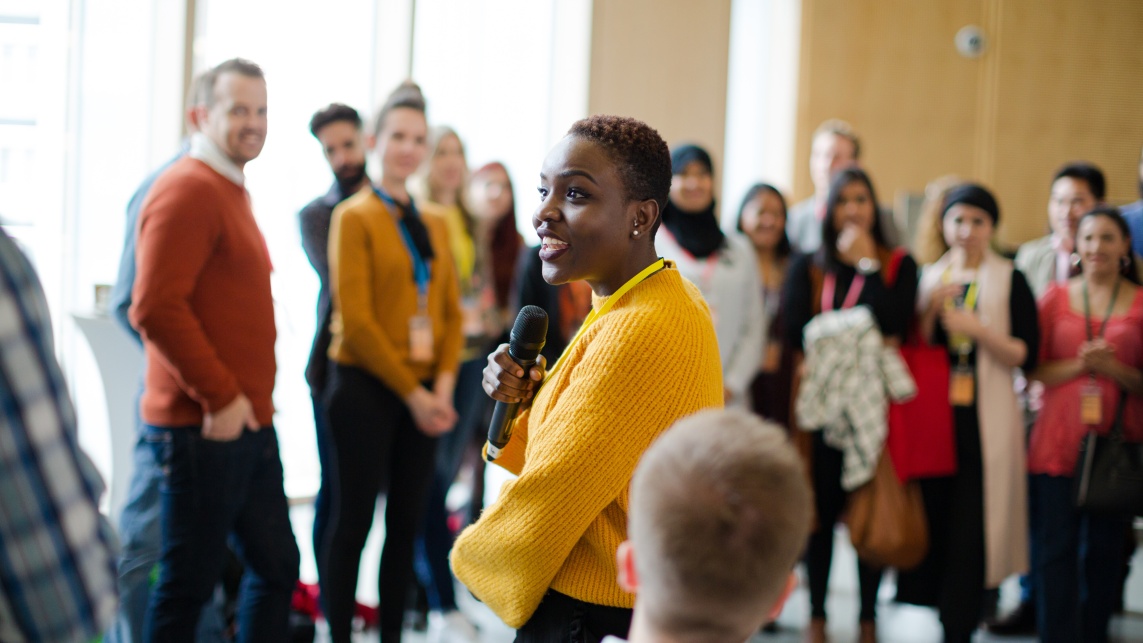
[[1069, 85], [1059, 81], [663, 62]]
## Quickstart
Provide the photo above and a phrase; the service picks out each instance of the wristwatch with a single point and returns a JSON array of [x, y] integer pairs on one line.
[[867, 266]]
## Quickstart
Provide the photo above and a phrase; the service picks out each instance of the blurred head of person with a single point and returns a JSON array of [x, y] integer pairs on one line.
[[233, 115], [762, 218], [340, 131], [400, 134], [834, 146], [720, 513], [851, 203], [1103, 244], [493, 207], [1076, 189], [690, 214], [969, 217], [443, 177], [692, 179], [930, 242], [602, 189]]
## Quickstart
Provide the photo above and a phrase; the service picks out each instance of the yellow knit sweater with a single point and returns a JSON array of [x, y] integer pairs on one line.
[[652, 359]]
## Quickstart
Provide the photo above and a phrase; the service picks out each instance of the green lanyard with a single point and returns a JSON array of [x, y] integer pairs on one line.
[[1087, 309], [962, 344]]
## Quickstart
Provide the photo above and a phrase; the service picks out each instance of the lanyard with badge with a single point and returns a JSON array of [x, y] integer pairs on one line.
[[420, 324], [1091, 394], [607, 305], [962, 379]]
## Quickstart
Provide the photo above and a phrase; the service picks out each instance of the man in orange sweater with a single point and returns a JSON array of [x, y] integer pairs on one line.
[[204, 310]]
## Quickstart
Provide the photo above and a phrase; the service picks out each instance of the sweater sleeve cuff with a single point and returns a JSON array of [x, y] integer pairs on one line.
[[218, 401]]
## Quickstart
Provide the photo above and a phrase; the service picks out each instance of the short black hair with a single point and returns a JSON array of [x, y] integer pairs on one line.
[[843, 177], [239, 66], [1129, 271], [334, 113], [784, 248], [408, 95], [642, 155], [1086, 172]]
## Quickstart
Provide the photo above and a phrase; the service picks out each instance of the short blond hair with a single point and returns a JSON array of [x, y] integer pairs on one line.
[[838, 127], [720, 512]]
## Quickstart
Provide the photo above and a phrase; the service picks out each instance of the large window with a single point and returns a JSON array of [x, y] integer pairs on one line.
[[92, 102]]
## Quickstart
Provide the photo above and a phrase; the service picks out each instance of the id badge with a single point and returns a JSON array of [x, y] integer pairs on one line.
[[421, 339], [1091, 404], [962, 386]]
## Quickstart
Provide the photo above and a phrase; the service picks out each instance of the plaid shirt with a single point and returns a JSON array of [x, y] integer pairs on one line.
[[57, 569], [850, 377]]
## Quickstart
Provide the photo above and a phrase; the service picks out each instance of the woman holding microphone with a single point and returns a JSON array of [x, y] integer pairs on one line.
[[543, 556]]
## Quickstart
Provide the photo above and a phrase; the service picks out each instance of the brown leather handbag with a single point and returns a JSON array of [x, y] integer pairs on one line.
[[886, 520]]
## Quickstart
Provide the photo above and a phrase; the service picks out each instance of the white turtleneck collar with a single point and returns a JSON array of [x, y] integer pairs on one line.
[[204, 149]]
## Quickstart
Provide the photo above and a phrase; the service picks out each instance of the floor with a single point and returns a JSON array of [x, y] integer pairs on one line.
[[896, 623]]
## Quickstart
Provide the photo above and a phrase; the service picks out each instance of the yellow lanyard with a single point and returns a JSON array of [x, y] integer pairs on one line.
[[961, 343], [607, 305]]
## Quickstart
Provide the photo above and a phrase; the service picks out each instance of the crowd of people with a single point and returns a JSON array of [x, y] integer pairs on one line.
[[796, 318]]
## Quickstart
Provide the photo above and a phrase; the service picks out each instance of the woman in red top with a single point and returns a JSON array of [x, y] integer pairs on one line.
[[1092, 330]]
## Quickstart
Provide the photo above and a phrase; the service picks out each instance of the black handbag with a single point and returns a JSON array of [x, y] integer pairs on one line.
[[1109, 473]]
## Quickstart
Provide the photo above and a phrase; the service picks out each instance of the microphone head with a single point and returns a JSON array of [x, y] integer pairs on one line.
[[528, 334]]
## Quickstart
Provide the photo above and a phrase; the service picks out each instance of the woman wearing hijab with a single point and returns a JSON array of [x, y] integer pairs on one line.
[[722, 265]]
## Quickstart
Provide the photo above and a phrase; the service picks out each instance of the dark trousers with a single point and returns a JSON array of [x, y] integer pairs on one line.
[[955, 512], [435, 540], [563, 619], [213, 491], [1079, 565], [829, 501], [327, 486], [377, 446]]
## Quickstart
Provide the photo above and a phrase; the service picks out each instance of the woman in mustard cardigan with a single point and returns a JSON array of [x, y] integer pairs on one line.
[[395, 348], [543, 556]]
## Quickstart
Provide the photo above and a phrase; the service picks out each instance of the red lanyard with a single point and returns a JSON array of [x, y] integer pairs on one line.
[[829, 286]]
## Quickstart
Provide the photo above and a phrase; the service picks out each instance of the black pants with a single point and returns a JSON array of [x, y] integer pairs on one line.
[[377, 446], [563, 619], [829, 502], [952, 576]]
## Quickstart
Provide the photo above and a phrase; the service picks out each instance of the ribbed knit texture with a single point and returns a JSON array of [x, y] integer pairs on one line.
[[202, 299], [374, 295], [648, 362]]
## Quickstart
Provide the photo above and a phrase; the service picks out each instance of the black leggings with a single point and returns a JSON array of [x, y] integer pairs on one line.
[[829, 501], [378, 447]]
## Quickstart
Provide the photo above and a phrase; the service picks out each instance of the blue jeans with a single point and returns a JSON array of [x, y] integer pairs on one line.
[[327, 488], [213, 491], [434, 542], [1078, 567], [139, 555]]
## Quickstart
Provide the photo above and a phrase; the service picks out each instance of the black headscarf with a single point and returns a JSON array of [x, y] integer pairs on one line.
[[696, 232], [974, 195]]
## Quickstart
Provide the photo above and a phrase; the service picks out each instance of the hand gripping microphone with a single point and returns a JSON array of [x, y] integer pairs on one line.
[[524, 346]]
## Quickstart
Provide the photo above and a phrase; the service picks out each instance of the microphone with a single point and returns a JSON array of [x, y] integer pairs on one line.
[[524, 346]]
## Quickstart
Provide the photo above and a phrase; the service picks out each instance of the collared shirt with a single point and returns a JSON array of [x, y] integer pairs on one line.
[[204, 149], [57, 566], [1063, 258]]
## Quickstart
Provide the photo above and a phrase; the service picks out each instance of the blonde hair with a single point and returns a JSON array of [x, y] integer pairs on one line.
[[421, 184], [838, 127], [720, 512], [930, 240]]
